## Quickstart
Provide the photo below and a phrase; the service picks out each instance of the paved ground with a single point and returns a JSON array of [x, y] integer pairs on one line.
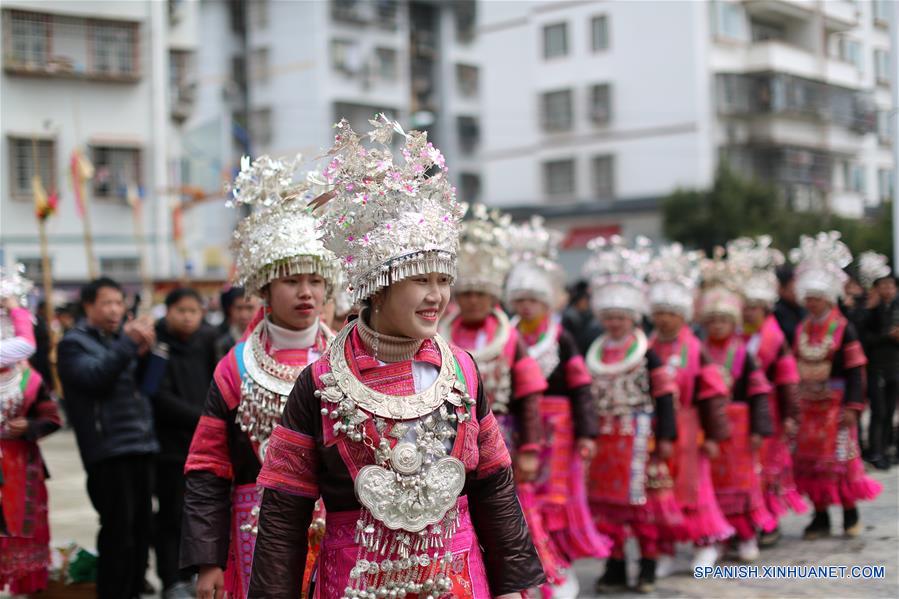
[[72, 518]]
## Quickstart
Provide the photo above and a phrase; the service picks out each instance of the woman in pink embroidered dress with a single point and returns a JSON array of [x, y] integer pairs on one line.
[[391, 427], [701, 402], [768, 346], [629, 486], [294, 274], [532, 290], [735, 470], [827, 464], [27, 414]]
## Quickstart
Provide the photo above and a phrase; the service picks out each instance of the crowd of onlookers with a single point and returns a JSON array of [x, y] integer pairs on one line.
[[134, 389]]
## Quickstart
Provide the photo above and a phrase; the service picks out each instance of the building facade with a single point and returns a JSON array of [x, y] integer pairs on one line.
[[613, 105]]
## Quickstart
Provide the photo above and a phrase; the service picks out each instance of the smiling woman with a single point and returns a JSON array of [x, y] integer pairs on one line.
[[391, 426]]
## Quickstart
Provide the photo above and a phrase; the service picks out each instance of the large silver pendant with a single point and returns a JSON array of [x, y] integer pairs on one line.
[[414, 503]]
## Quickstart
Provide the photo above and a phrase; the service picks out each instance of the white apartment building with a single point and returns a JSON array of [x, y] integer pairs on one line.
[[312, 63], [592, 111], [94, 76]]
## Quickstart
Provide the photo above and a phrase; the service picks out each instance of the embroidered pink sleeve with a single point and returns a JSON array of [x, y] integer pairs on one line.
[[758, 384], [209, 449], [576, 373], [291, 464], [527, 378], [494, 455], [661, 382], [785, 371], [853, 355], [711, 383], [227, 379]]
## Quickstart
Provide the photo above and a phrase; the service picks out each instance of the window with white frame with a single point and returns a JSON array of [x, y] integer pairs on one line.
[[881, 13], [385, 59], [730, 20], [261, 126], [885, 127], [257, 12], [604, 176], [853, 177], [599, 33], [882, 66], [600, 103], [115, 169], [885, 182], [467, 80], [23, 152], [33, 266], [555, 40], [558, 178], [258, 64], [120, 268], [556, 110], [850, 50], [344, 56]]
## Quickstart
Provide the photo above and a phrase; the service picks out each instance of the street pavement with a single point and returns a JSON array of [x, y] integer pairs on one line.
[[72, 519]]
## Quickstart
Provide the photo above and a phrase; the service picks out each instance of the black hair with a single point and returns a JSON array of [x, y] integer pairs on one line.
[[785, 274], [227, 298], [176, 295], [90, 291]]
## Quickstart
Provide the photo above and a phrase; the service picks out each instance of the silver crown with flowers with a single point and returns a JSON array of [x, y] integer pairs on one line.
[[280, 237], [759, 261], [820, 261], [617, 274], [871, 268], [533, 250], [13, 283], [388, 220], [721, 280], [673, 275], [483, 251]]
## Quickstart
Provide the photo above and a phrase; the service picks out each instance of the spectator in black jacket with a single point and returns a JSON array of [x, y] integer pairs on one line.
[[578, 318], [184, 359], [882, 338], [787, 310], [239, 311], [113, 422]]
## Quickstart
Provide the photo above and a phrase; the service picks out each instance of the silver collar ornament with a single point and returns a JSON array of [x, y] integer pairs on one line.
[[409, 496]]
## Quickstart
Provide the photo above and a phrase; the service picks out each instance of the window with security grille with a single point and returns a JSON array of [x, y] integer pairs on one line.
[[115, 169], [599, 33], [558, 178], [600, 104], [556, 110], [24, 154], [555, 40], [120, 268], [604, 177], [59, 45]]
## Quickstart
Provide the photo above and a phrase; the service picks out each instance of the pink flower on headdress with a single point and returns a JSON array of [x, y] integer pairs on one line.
[[348, 259], [350, 187]]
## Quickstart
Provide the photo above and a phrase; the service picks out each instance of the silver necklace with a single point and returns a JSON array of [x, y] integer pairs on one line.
[[409, 495]]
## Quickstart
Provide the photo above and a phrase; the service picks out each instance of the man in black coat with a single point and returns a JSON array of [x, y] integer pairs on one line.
[[113, 422], [184, 360], [882, 348]]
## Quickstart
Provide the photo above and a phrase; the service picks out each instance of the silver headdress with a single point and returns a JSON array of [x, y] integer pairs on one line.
[[673, 275], [14, 284], [617, 274], [820, 261], [758, 261], [388, 221], [721, 279], [280, 238], [535, 273], [483, 252], [871, 268]]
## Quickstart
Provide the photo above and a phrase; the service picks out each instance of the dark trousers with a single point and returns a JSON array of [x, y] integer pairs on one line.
[[120, 490], [167, 539], [883, 389]]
